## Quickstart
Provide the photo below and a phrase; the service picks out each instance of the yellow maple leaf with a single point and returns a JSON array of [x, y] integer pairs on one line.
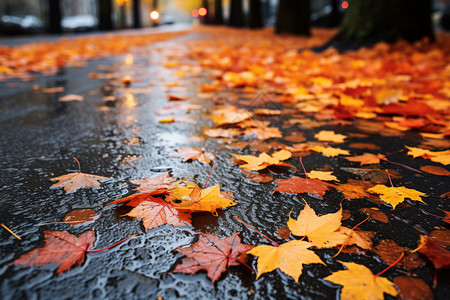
[[288, 257], [360, 283], [321, 231], [322, 175], [264, 160], [330, 136], [442, 157], [191, 197], [330, 151], [395, 195]]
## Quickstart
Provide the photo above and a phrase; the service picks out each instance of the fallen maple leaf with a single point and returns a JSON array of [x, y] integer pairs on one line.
[[360, 283], [330, 136], [80, 216], [438, 255], [355, 189], [366, 158], [61, 248], [435, 170], [442, 157], [298, 185], [158, 212], [288, 257], [71, 97], [264, 133], [153, 184], [256, 163], [212, 254], [73, 181], [329, 151], [191, 197], [322, 175], [321, 231], [191, 153], [396, 195]]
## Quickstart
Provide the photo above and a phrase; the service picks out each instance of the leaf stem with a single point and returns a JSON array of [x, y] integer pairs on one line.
[[391, 265], [304, 170], [10, 231], [428, 213], [343, 244], [99, 250], [79, 167], [401, 165], [389, 176], [249, 226], [210, 173]]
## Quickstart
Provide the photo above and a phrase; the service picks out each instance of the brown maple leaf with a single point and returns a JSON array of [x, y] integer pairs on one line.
[[191, 153], [438, 255], [61, 248], [73, 181], [298, 185], [355, 189], [155, 184], [366, 158], [212, 254], [158, 212]]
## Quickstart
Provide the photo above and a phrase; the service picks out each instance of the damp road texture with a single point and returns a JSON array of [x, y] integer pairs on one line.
[[123, 140]]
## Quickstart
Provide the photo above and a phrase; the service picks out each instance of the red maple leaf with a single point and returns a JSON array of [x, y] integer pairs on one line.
[[213, 254], [158, 212], [297, 185], [61, 248]]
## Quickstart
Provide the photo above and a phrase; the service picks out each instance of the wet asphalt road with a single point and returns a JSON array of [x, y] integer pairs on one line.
[[123, 140]]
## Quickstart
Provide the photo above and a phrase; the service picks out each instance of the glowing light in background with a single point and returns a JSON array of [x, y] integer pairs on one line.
[[129, 58], [154, 15], [195, 13], [344, 4], [130, 100], [202, 11]]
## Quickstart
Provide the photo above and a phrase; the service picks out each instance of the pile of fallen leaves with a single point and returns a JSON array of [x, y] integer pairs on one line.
[[274, 107]]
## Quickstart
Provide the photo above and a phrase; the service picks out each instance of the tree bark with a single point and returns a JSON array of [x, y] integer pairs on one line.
[[370, 21], [137, 14], [293, 17], [218, 12], [105, 10], [54, 14], [255, 17], [236, 14]]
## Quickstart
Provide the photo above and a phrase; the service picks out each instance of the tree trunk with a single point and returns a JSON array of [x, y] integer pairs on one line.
[[236, 14], [293, 17], [369, 21], [255, 18], [105, 10], [137, 14], [218, 12], [54, 12]]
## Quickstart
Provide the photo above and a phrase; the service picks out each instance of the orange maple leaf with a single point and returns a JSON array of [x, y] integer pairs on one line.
[[360, 283], [396, 195], [298, 185], [191, 153], [256, 163]]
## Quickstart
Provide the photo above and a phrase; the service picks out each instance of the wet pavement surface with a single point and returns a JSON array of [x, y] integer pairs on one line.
[[123, 140]]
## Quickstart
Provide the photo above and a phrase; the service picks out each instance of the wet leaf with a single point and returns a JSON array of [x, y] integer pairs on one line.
[[257, 177], [366, 158], [73, 181], [437, 254], [80, 216], [329, 151], [298, 185], [435, 170], [389, 251], [358, 282], [442, 157], [321, 231], [411, 288], [256, 163], [375, 214], [396, 195], [189, 196], [61, 248], [322, 175], [355, 189], [191, 153], [157, 212], [330, 136], [213, 255], [71, 97], [154, 184], [288, 257]]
